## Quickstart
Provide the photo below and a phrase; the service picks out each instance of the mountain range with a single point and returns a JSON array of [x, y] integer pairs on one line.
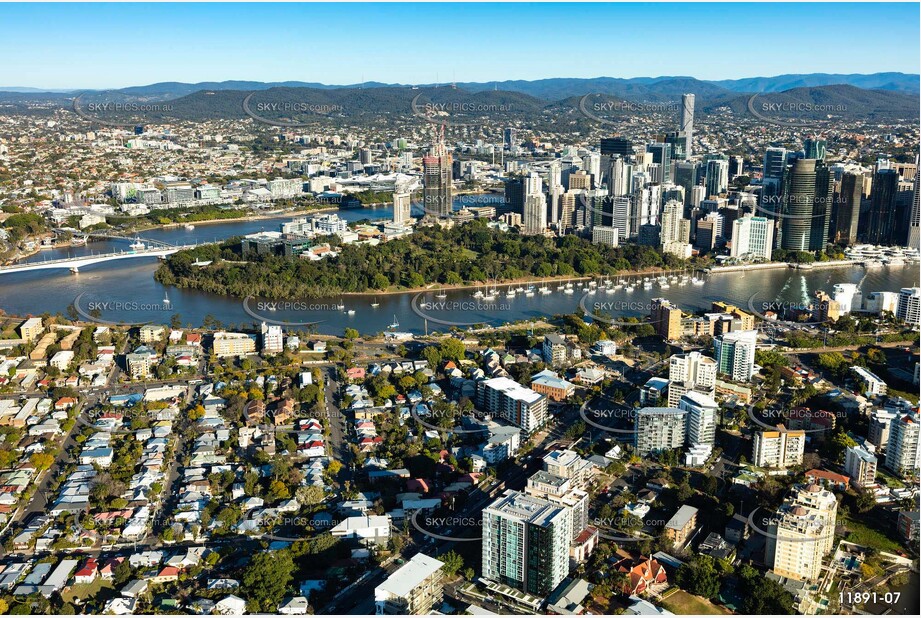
[[878, 96], [554, 88]]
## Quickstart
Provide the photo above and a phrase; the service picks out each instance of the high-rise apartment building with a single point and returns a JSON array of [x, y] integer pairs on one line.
[[752, 238], [658, 429], [778, 448], [666, 319], [802, 532], [513, 402], [735, 354], [687, 122], [909, 307], [702, 419], [526, 543], [807, 199], [902, 454], [860, 466], [690, 372]]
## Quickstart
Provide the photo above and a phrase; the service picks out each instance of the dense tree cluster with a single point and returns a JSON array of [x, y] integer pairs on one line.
[[471, 253]]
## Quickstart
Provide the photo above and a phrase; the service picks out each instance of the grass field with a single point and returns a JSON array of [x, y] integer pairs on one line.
[[85, 591], [683, 603], [862, 534]]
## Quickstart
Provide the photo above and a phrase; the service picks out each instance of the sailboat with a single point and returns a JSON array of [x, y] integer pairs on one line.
[[166, 298], [340, 306], [375, 304], [441, 294], [395, 324], [529, 291]]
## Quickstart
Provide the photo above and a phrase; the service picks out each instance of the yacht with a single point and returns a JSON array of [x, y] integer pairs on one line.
[[340, 306], [189, 227], [697, 281], [629, 287], [166, 298], [441, 294], [529, 291], [510, 293], [395, 324], [647, 285], [375, 304], [137, 245], [545, 290], [350, 312], [478, 294]]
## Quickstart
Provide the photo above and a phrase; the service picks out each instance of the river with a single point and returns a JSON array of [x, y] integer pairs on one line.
[[125, 290]]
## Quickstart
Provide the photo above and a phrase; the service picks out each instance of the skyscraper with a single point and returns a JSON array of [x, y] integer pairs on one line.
[[662, 154], [436, 179], [914, 222], [717, 177], [815, 148], [687, 122], [807, 200], [616, 146], [847, 208], [883, 220], [526, 543]]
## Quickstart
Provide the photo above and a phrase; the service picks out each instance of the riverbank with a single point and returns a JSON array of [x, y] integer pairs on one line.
[[505, 283], [715, 270]]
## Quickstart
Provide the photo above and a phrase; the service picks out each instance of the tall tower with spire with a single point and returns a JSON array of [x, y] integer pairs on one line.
[[436, 177]]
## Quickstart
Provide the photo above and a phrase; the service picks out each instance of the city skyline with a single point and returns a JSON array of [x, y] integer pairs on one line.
[[184, 51]]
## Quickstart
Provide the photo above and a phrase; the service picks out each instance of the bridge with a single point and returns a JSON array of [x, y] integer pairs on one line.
[[74, 263], [103, 235]]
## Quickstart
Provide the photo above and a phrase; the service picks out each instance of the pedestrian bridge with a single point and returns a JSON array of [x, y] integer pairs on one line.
[[75, 263]]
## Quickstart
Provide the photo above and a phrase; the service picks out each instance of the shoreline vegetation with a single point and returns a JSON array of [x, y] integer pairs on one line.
[[432, 258]]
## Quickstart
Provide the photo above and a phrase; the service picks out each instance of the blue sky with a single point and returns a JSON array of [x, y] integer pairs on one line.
[[117, 45]]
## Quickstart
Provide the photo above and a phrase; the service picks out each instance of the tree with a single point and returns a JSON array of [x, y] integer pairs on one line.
[[700, 577], [41, 461], [309, 495], [453, 562], [266, 579], [351, 334], [452, 349]]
